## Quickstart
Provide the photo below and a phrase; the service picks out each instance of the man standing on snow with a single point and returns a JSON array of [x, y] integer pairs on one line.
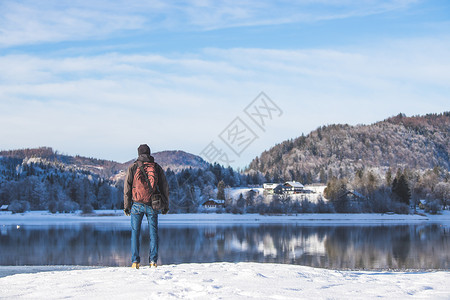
[[146, 192]]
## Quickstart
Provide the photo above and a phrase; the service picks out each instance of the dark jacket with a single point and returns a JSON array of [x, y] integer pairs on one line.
[[128, 184]]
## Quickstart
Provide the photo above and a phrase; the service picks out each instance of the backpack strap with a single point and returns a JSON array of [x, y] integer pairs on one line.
[[141, 167]]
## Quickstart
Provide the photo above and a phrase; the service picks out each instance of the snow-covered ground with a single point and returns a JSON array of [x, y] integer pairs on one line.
[[46, 218], [220, 281]]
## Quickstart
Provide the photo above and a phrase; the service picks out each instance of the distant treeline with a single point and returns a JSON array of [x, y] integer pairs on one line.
[[40, 184]]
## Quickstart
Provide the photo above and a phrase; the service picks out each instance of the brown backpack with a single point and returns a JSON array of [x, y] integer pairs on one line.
[[145, 184]]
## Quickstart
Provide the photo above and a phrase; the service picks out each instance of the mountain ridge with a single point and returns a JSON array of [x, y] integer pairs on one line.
[[176, 160], [418, 142]]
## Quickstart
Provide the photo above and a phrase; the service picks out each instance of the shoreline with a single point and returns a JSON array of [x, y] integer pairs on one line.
[[117, 217]]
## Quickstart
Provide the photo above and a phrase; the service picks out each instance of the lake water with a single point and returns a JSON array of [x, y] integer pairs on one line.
[[334, 247]]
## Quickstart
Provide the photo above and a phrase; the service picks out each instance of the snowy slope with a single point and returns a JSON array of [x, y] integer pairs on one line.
[[223, 281]]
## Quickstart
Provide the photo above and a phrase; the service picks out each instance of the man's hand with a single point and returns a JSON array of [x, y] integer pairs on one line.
[[165, 211], [127, 212]]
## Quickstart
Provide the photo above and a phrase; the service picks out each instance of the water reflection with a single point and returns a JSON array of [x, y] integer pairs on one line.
[[337, 247]]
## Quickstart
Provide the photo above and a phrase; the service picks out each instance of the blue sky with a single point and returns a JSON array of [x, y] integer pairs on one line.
[[97, 78]]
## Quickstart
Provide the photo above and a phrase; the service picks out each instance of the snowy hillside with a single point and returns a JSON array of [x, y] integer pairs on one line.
[[420, 142], [175, 160]]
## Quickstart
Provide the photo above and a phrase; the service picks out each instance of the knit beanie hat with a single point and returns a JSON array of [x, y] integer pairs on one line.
[[144, 149]]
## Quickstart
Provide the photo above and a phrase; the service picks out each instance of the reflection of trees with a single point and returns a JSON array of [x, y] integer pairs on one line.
[[388, 247], [401, 243], [68, 245], [357, 247], [370, 247]]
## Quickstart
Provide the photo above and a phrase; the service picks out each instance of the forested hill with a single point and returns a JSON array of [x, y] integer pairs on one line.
[[101, 167], [107, 169], [419, 142], [43, 179]]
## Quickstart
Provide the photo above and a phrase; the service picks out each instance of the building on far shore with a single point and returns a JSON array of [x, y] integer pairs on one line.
[[269, 188], [293, 187], [289, 187], [213, 203]]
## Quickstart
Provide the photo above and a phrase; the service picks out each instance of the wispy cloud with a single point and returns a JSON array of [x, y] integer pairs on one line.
[[30, 22], [72, 102]]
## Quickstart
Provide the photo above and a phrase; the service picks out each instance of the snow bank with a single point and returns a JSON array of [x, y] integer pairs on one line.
[[117, 217], [223, 281]]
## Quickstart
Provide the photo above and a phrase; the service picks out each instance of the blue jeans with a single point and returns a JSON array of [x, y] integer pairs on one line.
[[138, 210]]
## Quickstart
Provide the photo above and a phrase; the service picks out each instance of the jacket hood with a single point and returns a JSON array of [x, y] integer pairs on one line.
[[146, 158]]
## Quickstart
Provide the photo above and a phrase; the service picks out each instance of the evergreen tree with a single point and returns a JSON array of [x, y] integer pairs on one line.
[[104, 197], [341, 202], [336, 192], [400, 189], [250, 198], [221, 190], [241, 201]]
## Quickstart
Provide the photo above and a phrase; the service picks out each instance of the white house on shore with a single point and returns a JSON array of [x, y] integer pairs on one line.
[[293, 187], [269, 187], [289, 187]]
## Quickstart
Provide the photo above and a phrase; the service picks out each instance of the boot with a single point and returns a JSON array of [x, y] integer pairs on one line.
[[135, 265], [153, 264]]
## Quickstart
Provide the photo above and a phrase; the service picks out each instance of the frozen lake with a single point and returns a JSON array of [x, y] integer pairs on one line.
[[411, 246]]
